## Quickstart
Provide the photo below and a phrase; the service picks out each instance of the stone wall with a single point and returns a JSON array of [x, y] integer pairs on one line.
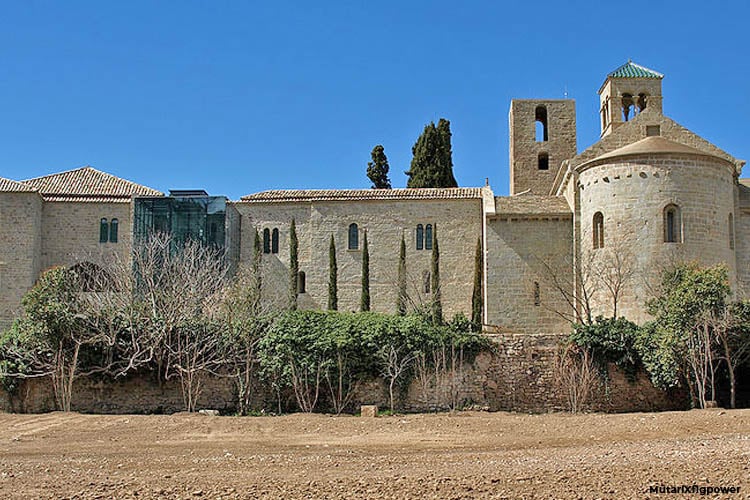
[[518, 375], [458, 224], [20, 245], [632, 193], [71, 232], [527, 261]]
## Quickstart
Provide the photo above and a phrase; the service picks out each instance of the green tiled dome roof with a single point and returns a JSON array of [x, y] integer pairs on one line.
[[633, 70]]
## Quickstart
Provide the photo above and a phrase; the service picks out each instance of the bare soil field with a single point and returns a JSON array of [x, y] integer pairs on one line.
[[460, 455]]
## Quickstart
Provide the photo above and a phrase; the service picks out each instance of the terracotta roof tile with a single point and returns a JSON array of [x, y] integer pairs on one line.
[[7, 185], [294, 195], [87, 184], [531, 204]]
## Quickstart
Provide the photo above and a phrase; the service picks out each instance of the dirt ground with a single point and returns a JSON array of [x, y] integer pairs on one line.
[[461, 455]]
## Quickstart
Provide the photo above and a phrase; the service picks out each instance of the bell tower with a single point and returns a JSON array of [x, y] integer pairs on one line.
[[627, 91]]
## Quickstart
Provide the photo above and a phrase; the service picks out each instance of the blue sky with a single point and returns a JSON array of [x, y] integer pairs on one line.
[[238, 97]]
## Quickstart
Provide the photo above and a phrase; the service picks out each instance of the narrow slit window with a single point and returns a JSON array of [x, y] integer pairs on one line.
[[542, 132], [672, 224], [266, 240], [301, 282], [420, 237], [113, 227], [428, 237], [275, 240], [537, 294], [598, 230], [103, 230], [543, 162], [731, 231], [353, 237]]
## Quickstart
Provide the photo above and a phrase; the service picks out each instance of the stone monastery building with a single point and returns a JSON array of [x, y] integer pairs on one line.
[[649, 192]]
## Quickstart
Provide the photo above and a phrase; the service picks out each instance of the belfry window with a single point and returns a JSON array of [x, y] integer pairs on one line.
[[266, 240], [628, 107], [731, 231], [428, 237], [672, 224], [540, 115], [543, 163], [103, 230], [275, 240], [420, 237], [353, 237], [642, 101], [598, 230]]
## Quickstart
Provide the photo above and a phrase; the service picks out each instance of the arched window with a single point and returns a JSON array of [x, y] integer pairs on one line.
[[353, 237], [672, 224], [113, 231], [301, 282], [103, 230], [540, 115], [642, 101], [426, 281], [266, 240], [598, 230], [628, 107], [275, 240], [537, 294], [420, 237], [731, 231], [543, 163], [428, 237]]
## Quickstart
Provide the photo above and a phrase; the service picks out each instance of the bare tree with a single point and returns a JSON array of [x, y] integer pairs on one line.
[[394, 363], [576, 376]]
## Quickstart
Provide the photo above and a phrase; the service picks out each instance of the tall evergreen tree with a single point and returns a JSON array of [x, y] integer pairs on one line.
[[401, 297], [432, 162], [257, 272], [293, 266], [377, 169], [364, 304], [437, 306], [333, 288], [476, 294]]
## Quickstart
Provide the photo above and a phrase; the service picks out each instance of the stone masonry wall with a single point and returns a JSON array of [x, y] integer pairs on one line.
[[71, 232], [458, 225], [20, 244], [632, 193], [523, 253], [518, 375]]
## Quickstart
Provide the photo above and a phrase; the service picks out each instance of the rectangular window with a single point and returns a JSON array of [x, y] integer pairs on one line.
[[652, 130]]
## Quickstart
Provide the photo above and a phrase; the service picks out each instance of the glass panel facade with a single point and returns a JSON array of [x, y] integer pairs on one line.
[[201, 218]]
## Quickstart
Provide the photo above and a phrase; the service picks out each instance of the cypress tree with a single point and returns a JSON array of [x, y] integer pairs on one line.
[[293, 266], [401, 297], [333, 299], [432, 162], [377, 169], [437, 307], [444, 155], [256, 270], [476, 294], [364, 304]]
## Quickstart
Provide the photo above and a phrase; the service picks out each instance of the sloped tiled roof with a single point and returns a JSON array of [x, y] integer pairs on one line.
[[633, 70], [7, 185], [87, 184], [292, 195], [531, 204]]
